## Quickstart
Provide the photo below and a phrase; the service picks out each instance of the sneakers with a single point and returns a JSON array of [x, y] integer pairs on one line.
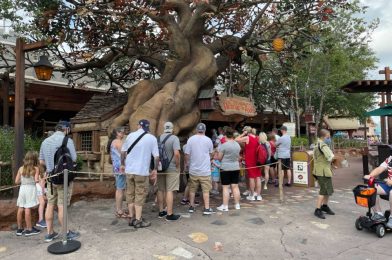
[[237, 206], [327, 210], [379, 217], [41, 224], [184, 202], [141, 223], [319, 213], [223, 208], [197, 203], [162, 214], [172, 217], [51, 237], [32, 232], [265, 187], [71, 235], [251, 198], [288, 185], [208, 211], [389, 224], [246, 193], [259, 198], [19, 232], [131, 222], [214, 192], [191, 209]]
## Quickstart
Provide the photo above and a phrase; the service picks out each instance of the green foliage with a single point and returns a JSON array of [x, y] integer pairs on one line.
[[344, 143], [299, 141]]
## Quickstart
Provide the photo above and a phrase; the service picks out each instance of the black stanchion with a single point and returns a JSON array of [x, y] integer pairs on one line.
[[65, 246]]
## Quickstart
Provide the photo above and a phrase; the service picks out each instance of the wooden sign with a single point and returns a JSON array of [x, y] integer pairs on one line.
[[237, 106]]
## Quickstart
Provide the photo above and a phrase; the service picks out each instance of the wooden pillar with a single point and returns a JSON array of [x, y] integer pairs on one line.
[[382, 121], [6, 109], [387, 73], [19, 104]]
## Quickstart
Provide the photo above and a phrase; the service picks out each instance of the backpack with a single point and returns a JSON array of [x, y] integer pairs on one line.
[[262, 154], [164, 161], [62, 161]]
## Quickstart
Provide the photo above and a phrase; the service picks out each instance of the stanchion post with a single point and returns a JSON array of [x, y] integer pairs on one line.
[[65, 210], [280, 176], [64, 246]]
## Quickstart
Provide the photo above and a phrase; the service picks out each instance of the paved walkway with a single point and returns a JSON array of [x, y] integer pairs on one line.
[[264, 230]]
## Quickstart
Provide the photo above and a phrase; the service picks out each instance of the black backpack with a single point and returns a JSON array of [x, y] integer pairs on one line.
[[62, 161], [164, 161]]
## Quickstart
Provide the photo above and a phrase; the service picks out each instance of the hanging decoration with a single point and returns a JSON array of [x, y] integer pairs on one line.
[[278, 44]]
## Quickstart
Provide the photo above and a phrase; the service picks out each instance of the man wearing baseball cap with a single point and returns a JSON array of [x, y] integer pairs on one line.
[[198, 154], [135, 162], [169, 180]]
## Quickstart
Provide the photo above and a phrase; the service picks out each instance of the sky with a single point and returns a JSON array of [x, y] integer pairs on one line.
[[381, 38]]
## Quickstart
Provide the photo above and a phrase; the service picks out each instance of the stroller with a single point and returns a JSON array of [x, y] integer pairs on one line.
[[365, 196]]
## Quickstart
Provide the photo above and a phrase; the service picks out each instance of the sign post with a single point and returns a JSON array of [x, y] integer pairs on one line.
[[302, 169]]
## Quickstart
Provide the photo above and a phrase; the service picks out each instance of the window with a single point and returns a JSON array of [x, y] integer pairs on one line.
[[86, 139]]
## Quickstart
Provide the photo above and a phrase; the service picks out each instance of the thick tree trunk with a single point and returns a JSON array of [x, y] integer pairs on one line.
[[159, 101]]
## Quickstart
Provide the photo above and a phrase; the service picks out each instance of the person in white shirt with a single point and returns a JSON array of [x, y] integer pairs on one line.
[[198, 154], [136, 155]]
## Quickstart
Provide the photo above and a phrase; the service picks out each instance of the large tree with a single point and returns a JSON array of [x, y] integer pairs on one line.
[[166, 49]]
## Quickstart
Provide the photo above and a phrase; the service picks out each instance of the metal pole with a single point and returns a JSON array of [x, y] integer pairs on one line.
[[280, 176], [65, 210]]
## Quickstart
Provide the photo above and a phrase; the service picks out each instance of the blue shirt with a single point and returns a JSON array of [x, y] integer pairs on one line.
[[49, 147]]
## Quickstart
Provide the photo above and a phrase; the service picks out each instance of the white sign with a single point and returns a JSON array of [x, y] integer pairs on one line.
[[300, 172], [290, 128]]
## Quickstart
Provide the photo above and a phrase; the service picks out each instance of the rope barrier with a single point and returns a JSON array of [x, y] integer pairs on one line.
[[18, 185], [112, 174]]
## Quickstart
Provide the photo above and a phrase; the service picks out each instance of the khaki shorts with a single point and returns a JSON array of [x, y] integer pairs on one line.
[[57, 198], [169, 181], [137, 189], [204, 181]]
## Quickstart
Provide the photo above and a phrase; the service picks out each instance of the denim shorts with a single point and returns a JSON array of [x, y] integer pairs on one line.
[[120, 181], [385, 187], [215, 176]]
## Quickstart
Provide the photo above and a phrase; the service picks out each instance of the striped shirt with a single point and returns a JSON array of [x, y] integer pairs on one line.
[[49, 147]]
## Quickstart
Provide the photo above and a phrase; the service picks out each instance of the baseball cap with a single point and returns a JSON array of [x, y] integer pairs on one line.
[[283, 127], [201, 128], [145, 124], [168, 127], [63, 124]]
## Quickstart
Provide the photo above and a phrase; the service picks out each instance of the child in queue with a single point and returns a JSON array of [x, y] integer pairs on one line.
[[215, 175], [27, 176]]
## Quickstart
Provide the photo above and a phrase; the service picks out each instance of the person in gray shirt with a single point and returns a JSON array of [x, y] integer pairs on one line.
[[283, 150], [169, 181], [229, 155]]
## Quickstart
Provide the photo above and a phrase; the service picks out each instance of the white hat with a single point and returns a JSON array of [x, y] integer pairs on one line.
[[168, 127]]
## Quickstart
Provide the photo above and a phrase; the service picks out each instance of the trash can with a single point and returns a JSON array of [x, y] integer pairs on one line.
[[302, 169]]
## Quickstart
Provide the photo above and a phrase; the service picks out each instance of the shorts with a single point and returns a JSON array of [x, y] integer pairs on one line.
[[120, 181], [385, 187], [286, 163], [215, 176], [230, 177], [254, 173], [39, 190], [204, 181], [169, 181], [273, 160], [325, 183], [57, 197], [137, 189]]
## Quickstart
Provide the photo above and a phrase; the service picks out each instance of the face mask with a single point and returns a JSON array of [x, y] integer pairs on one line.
[[328, 140]]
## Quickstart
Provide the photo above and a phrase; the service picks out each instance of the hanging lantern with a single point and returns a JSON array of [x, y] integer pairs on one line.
[[11, 97], [278, 44], [29, 112], [43, 68]]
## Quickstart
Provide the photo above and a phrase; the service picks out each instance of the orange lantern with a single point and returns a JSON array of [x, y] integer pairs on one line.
[[278, 44]]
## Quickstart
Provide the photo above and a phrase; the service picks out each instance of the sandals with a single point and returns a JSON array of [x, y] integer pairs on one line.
[[121, 215]]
